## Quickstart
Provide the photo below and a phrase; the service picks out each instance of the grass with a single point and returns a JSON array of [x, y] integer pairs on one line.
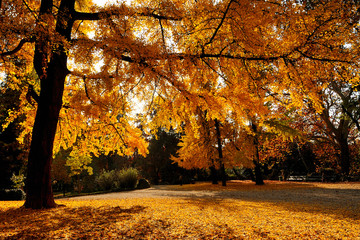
[[188, 218]]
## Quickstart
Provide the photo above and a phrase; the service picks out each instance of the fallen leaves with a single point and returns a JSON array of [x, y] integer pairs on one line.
[[179, 218]]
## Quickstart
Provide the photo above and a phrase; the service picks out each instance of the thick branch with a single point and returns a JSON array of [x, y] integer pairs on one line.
[[256, 58], [355, 121], [104, 15], [91, 16], [19, 46], [31, 94]]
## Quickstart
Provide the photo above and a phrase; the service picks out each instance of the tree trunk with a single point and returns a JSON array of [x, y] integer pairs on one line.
[[39, 192], [223, 174], [222, 167], [344, 157], [38, 185], [258, 175], [259, 180], [252, 177], [214, 175]]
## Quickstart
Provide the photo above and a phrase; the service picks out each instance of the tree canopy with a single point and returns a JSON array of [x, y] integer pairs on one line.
[[82, 69]]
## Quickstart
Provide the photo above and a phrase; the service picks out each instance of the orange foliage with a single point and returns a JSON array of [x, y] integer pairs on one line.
[[223, 57]]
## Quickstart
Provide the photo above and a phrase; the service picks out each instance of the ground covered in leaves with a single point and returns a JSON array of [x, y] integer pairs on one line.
[[225, 213]]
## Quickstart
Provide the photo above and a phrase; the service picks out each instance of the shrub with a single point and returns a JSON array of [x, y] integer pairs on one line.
[[128, 178], [143, 183], [89, 184], [116, 180], [18, 181], [105, 180], [12, 194]]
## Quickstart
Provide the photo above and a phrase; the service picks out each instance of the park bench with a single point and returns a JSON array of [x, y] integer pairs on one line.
[[314, 178], [299, 178]]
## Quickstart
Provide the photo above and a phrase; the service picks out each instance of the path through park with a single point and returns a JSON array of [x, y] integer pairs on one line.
[[277, 210], [338, 195]]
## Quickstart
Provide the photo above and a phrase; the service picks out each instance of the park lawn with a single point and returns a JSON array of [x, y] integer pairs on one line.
[[178, 218]]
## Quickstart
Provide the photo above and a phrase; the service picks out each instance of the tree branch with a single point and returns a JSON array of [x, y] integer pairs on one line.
[[19, 46], [91, 16], [30, 10], [229, 56], [220, 24], [355, 121], [322, 59], [104, 15], [158, 16], [31, 94], [87, 92]]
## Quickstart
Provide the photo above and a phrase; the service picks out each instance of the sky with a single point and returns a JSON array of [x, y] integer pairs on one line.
[[103, 2], [100, 2], [2, 77]]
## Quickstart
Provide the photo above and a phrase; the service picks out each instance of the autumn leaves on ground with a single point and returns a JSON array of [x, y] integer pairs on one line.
[[277, 210]]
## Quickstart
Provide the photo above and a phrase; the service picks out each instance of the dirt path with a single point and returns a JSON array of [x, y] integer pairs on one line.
[[340, 195], [153, 192]]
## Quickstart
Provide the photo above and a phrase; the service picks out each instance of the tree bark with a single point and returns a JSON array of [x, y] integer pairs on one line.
[[259, 180], [258, 175], [344, 157], [38, 185], [222, 167], [341, 136], [214, 175]]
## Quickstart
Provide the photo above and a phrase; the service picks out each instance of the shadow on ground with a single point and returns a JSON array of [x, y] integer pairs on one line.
[[82, 222], [339, 201]]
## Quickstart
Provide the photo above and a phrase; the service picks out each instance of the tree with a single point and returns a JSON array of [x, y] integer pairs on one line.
[[201, 145], [60, 172], [12, 155], [158, 165], [229, 40], [52, 32], [334, 125]]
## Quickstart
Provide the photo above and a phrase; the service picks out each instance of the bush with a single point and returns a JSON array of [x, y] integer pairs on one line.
[[18, 181], [117, 180], [143, 183], [128, 178], [105, 180], [89, 184], [12, 194]]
